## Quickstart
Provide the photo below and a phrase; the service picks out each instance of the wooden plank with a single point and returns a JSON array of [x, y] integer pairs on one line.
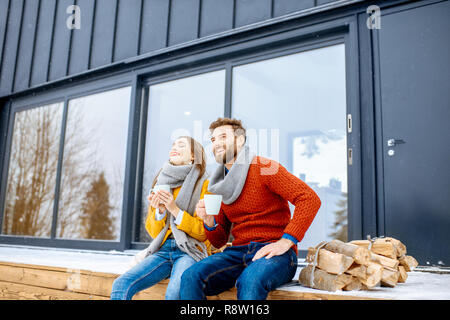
[[14, 291], [22, 281]]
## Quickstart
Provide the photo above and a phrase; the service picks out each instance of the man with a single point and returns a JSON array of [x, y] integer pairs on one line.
[[255, 192]]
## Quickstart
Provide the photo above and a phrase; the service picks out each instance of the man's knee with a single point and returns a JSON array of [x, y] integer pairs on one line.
[[191, 275]]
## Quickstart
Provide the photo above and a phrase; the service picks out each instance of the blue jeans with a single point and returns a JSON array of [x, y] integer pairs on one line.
[[169, 261], [234, 267]]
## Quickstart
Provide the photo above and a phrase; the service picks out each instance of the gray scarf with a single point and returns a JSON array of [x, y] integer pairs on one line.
[[185, 176], [231, 184]]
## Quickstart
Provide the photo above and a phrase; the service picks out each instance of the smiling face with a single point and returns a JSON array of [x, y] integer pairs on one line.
[[225, 144], [180, 153]]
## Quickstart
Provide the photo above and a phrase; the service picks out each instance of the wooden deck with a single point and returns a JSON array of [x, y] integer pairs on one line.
[[34, 282]]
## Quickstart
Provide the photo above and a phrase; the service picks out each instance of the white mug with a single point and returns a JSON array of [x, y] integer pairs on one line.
[[212, 203], [164, 187]]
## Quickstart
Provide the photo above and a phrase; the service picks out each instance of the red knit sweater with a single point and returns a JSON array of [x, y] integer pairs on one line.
[[261, 212]]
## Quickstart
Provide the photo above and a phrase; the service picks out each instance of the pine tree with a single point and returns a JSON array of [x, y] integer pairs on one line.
[[340, 223], [96, 219]]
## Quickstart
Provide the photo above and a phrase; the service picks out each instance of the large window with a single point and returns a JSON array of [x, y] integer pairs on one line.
[[30, 191], [90, 166], [294, 108], [182, 107], [93, 168]]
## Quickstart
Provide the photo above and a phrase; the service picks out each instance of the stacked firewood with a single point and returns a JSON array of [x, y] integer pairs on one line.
[[357, 265]]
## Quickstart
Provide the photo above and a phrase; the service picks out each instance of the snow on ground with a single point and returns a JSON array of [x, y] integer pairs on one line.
[[418, 286]]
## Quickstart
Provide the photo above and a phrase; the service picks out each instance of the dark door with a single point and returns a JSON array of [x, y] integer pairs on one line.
[[414, 48]]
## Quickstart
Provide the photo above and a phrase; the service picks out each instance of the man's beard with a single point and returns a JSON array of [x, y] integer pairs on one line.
[[228, 155]]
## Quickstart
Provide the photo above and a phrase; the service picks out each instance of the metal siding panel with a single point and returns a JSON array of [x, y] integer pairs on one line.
[[127, 29], [184, 19], [216, 16], [155, 17], [319, 2], [43, 42], [251, 11], [11, 46], [26, 46], [4, 8], [282, 7], [61, 42], [81, 38], [103, 37]]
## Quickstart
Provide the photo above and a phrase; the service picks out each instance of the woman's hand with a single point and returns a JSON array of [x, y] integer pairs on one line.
[[167, 200], [155, 202]]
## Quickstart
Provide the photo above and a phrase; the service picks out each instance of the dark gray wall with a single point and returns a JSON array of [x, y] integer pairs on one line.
[[36, 46]]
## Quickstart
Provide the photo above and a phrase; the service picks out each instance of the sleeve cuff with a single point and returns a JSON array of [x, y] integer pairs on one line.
[[159, 216], [211, 228], [179, 217], [289, 237]]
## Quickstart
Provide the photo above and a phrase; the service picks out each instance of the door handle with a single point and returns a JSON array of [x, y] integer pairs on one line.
[[394, 142]]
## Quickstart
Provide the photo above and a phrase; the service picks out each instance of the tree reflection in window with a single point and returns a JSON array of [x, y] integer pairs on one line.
[[92, 178], [32, 171]]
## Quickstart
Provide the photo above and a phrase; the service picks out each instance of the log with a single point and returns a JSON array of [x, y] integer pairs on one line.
[[359, 254], [385, 261], [335, 263], [379, 246], [323, 280], [369, 275], [399, 246], [357, 270], [389, 278], [402, 274], [408, 262], [354, 285]]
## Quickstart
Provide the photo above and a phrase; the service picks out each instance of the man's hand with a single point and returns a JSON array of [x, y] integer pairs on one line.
[[201, 213], [274, 249]]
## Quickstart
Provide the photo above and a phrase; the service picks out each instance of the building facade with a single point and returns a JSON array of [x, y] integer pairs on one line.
[[351, 96]]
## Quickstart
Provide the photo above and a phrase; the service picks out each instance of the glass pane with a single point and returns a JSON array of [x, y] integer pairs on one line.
[[90, 203], [294, 109], [180, 107], [32, 171]]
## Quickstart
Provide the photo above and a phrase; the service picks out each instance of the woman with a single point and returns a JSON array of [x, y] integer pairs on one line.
[[179, 239]]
